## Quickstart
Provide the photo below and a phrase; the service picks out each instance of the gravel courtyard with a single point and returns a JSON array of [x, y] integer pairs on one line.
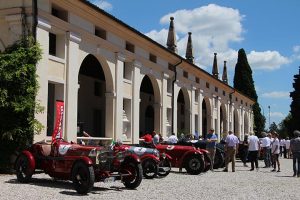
[[242, 184]]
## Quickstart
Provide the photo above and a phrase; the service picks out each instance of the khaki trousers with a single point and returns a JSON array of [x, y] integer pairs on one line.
[[230, 156]]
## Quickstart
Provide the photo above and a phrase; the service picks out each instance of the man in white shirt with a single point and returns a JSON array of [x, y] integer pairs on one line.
[[287, 146], [265, 144], [275, 151], [231, 148], [172, 139], [254, 147]]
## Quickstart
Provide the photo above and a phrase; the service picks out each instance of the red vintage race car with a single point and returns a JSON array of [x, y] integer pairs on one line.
[[83, 165], [153, 163], [190, 158]]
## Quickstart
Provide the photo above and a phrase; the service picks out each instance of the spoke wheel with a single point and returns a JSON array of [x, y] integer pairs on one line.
[[134, 180], [150, 169], [166, 164], [23, 170], [83, 177], [194, 165]]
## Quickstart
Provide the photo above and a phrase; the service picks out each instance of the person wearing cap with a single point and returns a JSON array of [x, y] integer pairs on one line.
[[211, 140], [275, 151], [295, 149]]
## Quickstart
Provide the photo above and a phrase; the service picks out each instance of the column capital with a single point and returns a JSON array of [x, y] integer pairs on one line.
[[43, 24], [194, 88], [165, 75], [120, 56], [110, 94], [201, 91], [137, 64], [74, 37]]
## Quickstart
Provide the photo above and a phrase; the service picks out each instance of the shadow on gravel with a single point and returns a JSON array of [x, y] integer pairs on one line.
[[284, 176], [61, 184]]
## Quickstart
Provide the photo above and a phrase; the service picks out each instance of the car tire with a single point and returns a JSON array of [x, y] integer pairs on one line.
[[164, 163], [23, 171], [150, 168], [135, 179], [83, 177], [194, 165]]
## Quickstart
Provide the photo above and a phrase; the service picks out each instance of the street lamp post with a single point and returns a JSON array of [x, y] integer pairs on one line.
[[269, 116]]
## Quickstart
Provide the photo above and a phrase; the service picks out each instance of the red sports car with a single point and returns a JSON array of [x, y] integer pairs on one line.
[[81, 164]]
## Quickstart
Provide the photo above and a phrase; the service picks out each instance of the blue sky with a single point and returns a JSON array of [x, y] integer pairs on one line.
[[268, 30]]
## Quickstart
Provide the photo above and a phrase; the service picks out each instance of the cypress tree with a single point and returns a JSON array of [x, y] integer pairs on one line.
[[295, 105], [243, 82]]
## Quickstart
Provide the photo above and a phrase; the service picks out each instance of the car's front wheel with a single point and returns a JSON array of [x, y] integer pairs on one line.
[[194, 164], [150, 169], [134, 179], [23, 170], [166, 165], [83, 177]]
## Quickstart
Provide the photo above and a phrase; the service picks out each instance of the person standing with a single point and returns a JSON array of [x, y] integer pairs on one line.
[[281, 142], [211, 140], [254, 147], [275, 151], [287, 147], [155, 137], [265, 144], [244, 151], [231, 148], [295, 149]]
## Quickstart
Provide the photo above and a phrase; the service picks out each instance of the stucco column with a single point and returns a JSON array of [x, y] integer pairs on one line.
[[164, 107], [192, 112], [176, 91], [42, 35], [231, 118], [71, 86], [136, 101], [120, 59], [200, 100], [110, 100], [218, 126]]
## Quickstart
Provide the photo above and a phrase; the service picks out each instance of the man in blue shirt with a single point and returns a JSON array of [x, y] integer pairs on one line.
[[211, 140]]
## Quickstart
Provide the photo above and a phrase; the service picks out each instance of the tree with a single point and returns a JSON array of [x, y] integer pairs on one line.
[[17, 97], [295, 105], [285, 128], [243, 82], [273, 127]]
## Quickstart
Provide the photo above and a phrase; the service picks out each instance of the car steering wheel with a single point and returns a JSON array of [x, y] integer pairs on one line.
[[55, 140]]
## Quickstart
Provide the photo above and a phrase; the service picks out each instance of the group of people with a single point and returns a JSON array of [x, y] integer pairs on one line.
[[269, 145]]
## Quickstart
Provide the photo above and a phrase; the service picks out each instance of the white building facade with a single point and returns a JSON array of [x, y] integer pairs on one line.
[[115, 80]]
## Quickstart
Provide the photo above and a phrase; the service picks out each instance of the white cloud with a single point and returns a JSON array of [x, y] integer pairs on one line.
[[277, 114], [266, 60], [213, 28], [296, 52], [102, 4], [276, 94]]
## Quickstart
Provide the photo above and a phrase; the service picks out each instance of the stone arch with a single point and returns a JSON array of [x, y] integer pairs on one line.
[[206, 116], [183, 111], [150, 98], [95, 81], [223, 120]]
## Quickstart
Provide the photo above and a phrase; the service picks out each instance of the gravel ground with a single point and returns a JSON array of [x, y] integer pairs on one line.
[[242, 184]]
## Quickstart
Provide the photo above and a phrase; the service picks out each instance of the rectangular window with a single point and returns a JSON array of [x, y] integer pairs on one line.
[[246, 104], [196, 95], [242, 102], [197, 80], [207, 85], [52, 44], [224, 93], [59, 13], [50, 109], [129, 47], [216, 89], [185, 74], [152, 58], [127, 72], [236, 99], [171, 67], [100, 33]]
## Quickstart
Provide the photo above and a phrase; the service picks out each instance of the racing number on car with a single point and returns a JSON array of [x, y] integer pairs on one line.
[[63, 149], [139, 150], [170, 147]]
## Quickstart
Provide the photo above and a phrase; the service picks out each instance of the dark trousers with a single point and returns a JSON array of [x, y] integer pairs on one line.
[[276, 160], [284, 152], [267, 156], [296, 159], [253, 156]]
